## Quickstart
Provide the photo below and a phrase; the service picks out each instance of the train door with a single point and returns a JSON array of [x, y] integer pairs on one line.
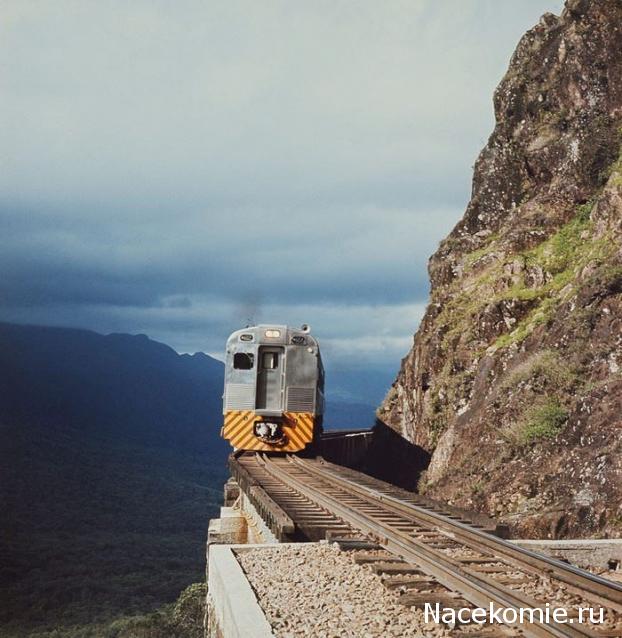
[[269, 378]]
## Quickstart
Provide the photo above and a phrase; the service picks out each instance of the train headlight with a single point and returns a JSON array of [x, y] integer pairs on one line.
[[273, 334]]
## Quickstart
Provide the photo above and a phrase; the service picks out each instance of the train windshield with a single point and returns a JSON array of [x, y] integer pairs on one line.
[[243, 361]]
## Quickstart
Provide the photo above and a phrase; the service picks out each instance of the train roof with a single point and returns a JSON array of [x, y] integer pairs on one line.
[[277, 334]]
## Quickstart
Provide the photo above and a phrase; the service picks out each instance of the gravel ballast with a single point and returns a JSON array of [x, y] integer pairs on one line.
[[310, 589], [317, 590]]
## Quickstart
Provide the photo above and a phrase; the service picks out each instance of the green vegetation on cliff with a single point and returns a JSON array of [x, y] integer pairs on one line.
[[182, 619], [544, 421]]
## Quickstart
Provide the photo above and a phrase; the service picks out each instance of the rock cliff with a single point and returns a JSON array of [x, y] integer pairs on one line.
[[514, 381]]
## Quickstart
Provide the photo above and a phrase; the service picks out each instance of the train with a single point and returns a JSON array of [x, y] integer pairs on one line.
[[273, 398]]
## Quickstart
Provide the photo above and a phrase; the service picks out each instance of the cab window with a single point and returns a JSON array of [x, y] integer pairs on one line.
[[243, 361]]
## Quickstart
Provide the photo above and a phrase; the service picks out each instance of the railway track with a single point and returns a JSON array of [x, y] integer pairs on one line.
[[428, 555]]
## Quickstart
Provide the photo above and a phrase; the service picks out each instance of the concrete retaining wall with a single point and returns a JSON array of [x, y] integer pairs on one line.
[[588, 554], [233, 610]]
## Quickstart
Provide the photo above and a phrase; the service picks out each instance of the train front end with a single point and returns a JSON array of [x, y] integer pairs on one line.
[[274, 389]]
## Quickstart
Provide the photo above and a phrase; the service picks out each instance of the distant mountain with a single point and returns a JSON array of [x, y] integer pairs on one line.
[[352, 394], [128, 385], [361, 384], [346, 415], [111, 465]]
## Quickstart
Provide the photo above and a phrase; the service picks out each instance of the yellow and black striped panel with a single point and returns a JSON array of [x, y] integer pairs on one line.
[[297, 428]]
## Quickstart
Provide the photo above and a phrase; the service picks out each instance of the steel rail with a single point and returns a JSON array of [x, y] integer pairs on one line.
[[603, 591], [277, 503], [477, 589]]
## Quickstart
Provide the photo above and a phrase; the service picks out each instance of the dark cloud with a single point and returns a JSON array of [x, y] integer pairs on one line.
[[179, 169], [286, 256]]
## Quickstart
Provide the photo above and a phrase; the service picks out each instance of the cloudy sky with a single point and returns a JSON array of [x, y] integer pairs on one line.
[[181, 168]]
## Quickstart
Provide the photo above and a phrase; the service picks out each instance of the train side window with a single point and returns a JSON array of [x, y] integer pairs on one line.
[[270, 360], [243, 361]]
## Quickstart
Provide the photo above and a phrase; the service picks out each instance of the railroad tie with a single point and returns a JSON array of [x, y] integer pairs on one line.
[[419, 601], [414, 581], [392, 567], [491, 569], [386, 557], [352, 541], [447, 544]]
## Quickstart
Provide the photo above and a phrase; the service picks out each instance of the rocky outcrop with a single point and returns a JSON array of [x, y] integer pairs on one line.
[[514, 381]]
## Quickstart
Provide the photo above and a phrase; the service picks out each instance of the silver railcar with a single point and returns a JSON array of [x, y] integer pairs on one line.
[[274, 389]]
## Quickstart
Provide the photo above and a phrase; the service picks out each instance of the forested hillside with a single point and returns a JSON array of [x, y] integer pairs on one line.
[[111, 466]]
